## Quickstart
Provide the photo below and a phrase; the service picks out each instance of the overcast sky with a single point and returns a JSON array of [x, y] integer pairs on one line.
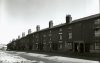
[[17, 16]]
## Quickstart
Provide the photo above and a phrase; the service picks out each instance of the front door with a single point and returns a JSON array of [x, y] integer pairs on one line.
[[75, 47], [81, 47], [87, 47]]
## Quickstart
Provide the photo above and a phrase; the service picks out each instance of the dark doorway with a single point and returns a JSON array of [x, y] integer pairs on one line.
[[40, 46], [81, 47], [87, 47], [54, 46], [75, 47]]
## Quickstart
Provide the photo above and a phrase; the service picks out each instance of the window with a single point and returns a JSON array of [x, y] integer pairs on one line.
[[44, 35], [97, 24], [70, 35], [14, 43], [60, 37], [92, 47], [97, 33], [69, 27], [50, 38], [37, 45], [97, 46], [60, 29], [37, 36], [33, 35], [60, 33], [69, 45], [60, 46], [50, 34], [50, 31], [97, 28], [44, 43], [44, 40], [37, 39], [97, 21]]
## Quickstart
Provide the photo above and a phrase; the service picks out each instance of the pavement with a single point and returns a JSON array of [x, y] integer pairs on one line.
[[43, 57]]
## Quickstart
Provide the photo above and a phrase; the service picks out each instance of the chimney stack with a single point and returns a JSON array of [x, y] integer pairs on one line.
[[29, 31], [13, 39], [68, 19], [23, 34], [50, 24], [18, 37], [38, 28]]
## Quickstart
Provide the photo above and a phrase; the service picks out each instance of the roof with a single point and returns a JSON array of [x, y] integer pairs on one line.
[[74, 21], [50, 28], [86, 18]]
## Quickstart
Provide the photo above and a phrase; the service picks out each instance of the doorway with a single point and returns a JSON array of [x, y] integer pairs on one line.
[[79, 47], [87, 47], [75, 47]]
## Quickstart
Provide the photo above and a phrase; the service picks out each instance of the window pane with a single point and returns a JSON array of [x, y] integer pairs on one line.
[[97, 21], [70, 35], [97, 33], [60, 37]]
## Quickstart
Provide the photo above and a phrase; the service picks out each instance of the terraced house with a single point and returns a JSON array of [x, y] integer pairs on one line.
[[81, 35]]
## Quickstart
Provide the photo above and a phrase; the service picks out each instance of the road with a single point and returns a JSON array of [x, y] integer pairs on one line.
[[24, 57]]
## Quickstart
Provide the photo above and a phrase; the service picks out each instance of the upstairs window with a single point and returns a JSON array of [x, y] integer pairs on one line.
[[97, 46], [97, 28], [70, 35], [44, 35], [50, 35], [69, 27], [50, 31], [60, 37], [36, 36], [97, 21], [60, 29], [50, 38], [97, 33], [33, 35]]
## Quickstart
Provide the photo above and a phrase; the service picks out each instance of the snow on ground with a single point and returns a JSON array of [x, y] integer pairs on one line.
[[59, 58], [8, 58]]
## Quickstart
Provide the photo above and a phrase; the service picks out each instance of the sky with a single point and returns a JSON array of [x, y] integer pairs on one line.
[[17, 16]]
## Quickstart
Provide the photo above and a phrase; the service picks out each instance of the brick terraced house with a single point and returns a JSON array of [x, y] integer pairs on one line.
[[81, 35]]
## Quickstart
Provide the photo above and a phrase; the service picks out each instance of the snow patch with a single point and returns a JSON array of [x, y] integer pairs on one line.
[[8, 58], [61, 59]]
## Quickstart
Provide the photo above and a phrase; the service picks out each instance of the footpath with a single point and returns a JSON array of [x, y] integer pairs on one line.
[[50, 57], [87, 56]]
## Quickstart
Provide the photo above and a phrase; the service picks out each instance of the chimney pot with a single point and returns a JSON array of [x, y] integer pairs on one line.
[[38, 27], [23, 34], [68, 19], [50, 24], [13, 39], [29, 31], [18, 37]]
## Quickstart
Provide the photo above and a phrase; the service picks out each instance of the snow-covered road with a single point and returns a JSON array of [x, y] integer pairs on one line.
[[8, 58], [24, 57]]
